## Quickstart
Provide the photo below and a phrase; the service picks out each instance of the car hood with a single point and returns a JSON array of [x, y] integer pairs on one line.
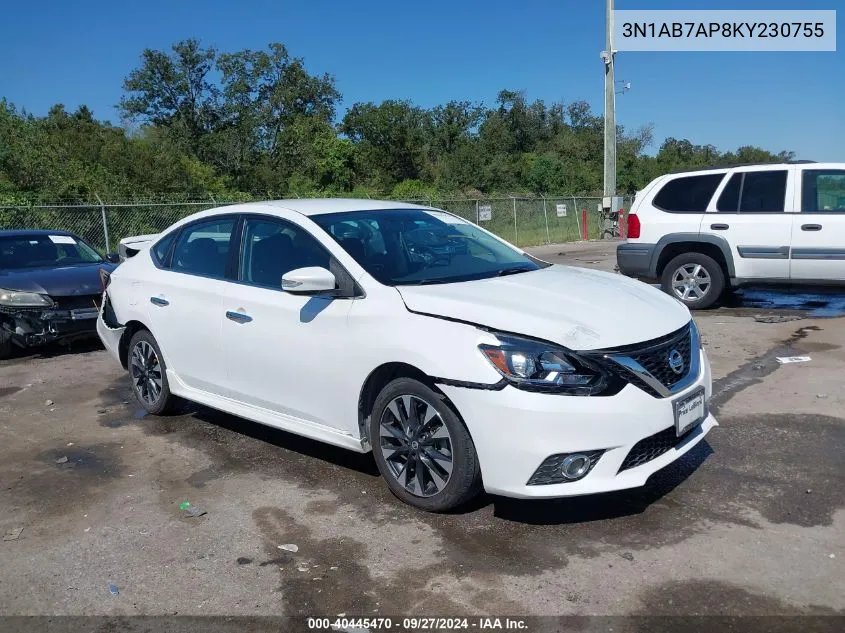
[[575, 307], [57, 282]]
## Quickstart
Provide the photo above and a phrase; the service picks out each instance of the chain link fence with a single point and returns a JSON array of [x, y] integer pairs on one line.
[[521, 221]]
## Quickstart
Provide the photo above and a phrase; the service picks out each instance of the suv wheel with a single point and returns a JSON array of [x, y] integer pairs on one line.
[[694, 278], [422, 448], [148, 374]]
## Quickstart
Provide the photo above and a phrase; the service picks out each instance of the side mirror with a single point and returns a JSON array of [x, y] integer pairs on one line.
[[310, 280], [112, 258]]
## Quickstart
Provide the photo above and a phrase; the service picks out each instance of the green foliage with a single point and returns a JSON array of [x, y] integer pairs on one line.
[[258, 124]]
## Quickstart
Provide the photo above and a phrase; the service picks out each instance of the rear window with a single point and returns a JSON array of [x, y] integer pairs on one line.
[[688, 194], [162, 249]]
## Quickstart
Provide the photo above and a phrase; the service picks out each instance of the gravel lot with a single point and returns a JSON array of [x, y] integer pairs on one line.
[[751, 522]]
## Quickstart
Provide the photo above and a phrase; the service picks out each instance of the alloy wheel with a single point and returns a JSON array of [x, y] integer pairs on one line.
[[145, 370], [691, 282], [416, 445]]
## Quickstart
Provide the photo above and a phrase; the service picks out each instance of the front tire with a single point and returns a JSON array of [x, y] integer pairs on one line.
[[422, 448], [148, 374], [695, 279]]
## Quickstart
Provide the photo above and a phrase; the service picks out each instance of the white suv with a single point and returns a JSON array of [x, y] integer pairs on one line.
[[701, 232]]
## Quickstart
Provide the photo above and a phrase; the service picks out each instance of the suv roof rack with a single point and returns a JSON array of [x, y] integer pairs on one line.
[[735, 165]]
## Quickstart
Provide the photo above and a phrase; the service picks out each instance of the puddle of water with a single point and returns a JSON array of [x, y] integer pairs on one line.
[[816, 304]]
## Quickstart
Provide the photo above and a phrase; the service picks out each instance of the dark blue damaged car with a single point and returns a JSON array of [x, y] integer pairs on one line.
[[50, 288]]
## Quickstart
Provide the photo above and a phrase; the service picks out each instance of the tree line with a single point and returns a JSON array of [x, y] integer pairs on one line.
[[196, 122]]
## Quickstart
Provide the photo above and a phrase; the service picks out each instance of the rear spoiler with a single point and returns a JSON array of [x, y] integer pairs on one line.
[[131, 246]]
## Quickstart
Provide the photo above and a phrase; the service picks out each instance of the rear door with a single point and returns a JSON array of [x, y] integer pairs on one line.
[[750, 211], [818, 231], [184, 302]]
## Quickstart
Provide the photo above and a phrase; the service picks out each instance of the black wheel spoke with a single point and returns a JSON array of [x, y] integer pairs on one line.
[[416, 445]]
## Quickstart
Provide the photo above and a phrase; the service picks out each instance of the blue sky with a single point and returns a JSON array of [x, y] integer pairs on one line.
[[437, 50]]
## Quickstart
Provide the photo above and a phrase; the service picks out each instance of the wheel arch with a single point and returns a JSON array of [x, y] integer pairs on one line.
[[123, 345], [378, 379], [670, 246]]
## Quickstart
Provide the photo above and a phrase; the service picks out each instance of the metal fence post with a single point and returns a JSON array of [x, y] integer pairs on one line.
[[577, 216], [546, 215], [477, 219], [105, 222], [515, 231]]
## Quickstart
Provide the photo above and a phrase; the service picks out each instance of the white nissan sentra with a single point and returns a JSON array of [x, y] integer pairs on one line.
[[461, 361]]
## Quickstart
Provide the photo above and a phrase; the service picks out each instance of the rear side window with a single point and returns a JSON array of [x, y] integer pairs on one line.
[[162, 249], [689, 194], [729, 200], [763, 191], [823, 190], [203, 248]]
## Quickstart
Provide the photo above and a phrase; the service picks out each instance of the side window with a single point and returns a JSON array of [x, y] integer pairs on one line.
[[763, 191], [823, 190], [161, 250], [272, 248], [729, 200], [688, 194], [203, 248]]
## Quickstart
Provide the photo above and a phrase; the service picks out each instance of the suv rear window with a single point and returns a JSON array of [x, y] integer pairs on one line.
[[688, 194]]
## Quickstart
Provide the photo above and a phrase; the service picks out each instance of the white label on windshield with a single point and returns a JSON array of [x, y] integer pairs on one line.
[[62, 239], [445, 217]]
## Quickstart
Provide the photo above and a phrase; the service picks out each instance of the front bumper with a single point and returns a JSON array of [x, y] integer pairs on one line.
[[37, 326], [514, 431], [634, 259]]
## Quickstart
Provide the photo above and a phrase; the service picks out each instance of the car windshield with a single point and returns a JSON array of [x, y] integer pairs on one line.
[[44, 251], [415, 246]]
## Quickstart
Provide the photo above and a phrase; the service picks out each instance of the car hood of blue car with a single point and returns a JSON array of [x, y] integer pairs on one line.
[[60, 281]]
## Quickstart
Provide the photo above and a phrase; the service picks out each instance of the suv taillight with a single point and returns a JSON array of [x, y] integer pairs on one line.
[[633, 226]]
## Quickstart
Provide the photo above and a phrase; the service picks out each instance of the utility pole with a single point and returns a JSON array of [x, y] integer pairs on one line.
[[609, 110]]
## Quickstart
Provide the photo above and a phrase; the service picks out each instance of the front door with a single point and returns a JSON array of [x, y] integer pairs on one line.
[[285, 352], [818, 232], [751, 213]]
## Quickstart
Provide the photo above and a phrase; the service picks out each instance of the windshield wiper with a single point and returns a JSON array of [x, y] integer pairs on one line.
[[513, 271]]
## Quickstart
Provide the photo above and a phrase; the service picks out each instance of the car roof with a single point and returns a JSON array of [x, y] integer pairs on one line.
[[31, 232], [807, 163], [317, 206]]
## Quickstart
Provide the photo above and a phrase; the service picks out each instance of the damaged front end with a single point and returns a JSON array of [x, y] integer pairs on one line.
[[57, 319]]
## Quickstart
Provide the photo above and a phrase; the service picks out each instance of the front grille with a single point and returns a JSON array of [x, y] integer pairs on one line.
[[653, 356], [76, 302], [653, 447]]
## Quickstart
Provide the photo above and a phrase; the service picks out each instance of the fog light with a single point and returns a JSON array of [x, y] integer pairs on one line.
[[575, 466], [564, 468]]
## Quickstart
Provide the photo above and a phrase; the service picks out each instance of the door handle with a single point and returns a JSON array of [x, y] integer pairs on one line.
[[720, 227], [811, 227], [238, 317], [158, 301]]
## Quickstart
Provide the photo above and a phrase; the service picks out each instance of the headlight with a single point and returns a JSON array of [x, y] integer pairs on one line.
[[537, 366], [15, 299]]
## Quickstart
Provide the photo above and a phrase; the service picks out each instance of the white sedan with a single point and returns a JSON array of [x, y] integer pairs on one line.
[[461, 361]]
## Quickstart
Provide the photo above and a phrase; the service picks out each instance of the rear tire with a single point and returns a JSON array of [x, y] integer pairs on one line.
[[695, 279], [422, 448], [148, 374]]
